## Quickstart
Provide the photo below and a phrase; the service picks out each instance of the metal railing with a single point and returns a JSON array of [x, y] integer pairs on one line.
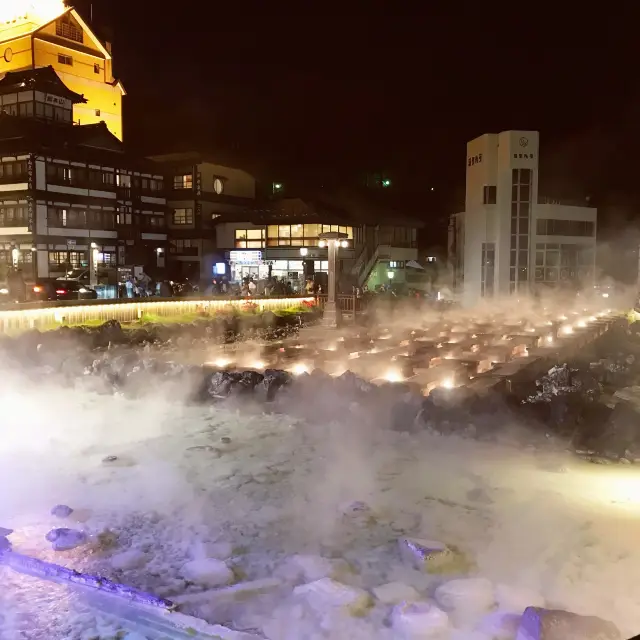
[[349, 304], [38, 315]]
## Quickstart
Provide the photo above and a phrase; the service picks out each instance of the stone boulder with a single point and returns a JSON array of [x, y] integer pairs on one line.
[[207, 572], [420, 620], [425, 555], [555, 624], [66, 539], [474, 595], [396, 593], [326, 592]]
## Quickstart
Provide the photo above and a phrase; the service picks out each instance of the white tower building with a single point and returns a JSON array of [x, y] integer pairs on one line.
[[508, 239]]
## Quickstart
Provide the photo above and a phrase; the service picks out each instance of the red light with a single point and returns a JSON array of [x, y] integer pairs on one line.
[[37, 289], [61, 292]]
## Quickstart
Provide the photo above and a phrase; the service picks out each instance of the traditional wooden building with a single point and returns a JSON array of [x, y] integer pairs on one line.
[[70, 196]]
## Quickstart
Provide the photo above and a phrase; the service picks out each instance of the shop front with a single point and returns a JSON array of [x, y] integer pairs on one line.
[[247, 264]]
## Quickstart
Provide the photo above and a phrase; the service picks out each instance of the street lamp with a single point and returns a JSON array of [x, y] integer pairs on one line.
[[93, 264], [304, 251], [332, 240]]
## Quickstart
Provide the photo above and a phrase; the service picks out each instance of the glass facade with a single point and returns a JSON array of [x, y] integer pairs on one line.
[[521, 188], [563, 263], [488, 268], [302, 235]]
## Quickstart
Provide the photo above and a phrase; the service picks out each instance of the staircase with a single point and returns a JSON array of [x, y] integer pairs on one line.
[[367, 260]]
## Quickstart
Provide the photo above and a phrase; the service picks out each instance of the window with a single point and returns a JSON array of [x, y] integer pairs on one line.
[[13, 215], [487, 268], [156, 184], [185, 246], [13, 171], [302, 235], [563, 264], [184, 181], [62, 59], [60, 173], [551, 227], [25, 109], [123, 216], [520, 212], [107, 259], [65, 28], [96, 68], [489, 194], [153, 222], [74, 218], [182, 216], [57, 258], [249, 238], [123, 180], [98, 112], [218, 185]]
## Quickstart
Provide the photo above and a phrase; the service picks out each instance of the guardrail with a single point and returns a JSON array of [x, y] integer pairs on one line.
[[38, 315]]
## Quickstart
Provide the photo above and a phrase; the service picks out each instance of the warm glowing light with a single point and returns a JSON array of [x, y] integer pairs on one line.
[[258, 364], [393, 375], [605, 295], [567, 329], [549, 339], [222, 362], [582, 324], [299, 369], [447, 383], [39, 11], [562, 318]]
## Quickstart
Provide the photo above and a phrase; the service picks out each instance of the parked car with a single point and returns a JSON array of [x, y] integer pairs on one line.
[[56, 289]]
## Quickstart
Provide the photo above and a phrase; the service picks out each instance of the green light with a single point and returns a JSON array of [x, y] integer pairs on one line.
[[277, 186], [386, 182]]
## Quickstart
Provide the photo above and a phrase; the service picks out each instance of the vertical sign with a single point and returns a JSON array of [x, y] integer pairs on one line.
[[31, 173], [198, 176]]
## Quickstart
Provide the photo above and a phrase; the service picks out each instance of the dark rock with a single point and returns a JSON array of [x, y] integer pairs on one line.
[[221, 382], [66, 539], [250, 379], [351, 383], [61, 511], [225, 440], [404, 415], [554, 624], [5, 532], [108, 459], [275, 379], [5, 545], [108, 333]]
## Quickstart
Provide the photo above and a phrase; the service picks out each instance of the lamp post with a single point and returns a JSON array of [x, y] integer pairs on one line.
[[93, 264], [332, 240]]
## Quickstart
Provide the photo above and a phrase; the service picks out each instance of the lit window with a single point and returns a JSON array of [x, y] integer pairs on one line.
[[218, 185], [67, 60], [249, 238], [184, 181], [182, 216]]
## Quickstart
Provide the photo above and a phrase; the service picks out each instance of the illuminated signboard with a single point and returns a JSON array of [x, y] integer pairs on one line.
[[245, 257]]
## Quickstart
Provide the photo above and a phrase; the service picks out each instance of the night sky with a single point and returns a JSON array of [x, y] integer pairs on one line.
[[322, 97]]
